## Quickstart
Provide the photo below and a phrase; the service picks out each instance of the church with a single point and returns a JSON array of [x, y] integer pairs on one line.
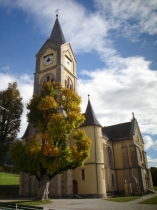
[[117, 161]]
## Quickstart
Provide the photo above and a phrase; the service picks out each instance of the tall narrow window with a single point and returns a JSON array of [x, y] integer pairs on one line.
[[112, 180], [65, 84], [110, 157], [68, 83], [83, 174]]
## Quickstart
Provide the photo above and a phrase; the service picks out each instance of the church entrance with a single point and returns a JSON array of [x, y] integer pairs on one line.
[[75, 187]]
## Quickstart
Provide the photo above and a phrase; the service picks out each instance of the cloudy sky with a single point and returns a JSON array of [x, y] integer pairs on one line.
[[115, 44]]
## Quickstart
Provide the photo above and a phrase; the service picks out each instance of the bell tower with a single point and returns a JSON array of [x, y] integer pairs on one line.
[[55, 61]]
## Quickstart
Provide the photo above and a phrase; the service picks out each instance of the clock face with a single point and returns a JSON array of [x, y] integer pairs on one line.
[[68, 63], [48, 59]]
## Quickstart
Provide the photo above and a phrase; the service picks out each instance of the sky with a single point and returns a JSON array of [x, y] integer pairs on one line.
[[115, 44]]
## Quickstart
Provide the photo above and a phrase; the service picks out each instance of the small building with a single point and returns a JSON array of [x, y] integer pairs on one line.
[[117, 163]]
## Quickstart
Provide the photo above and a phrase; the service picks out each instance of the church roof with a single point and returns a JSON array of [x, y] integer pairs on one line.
[[118, 132], [57, 34], [29, 131], [90, 117]]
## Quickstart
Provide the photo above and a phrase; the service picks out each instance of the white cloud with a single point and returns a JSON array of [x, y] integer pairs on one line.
[[130, 18], [148, 142], [84, 26], [117, 91], [152, 162], [89, 31], [155, 145]]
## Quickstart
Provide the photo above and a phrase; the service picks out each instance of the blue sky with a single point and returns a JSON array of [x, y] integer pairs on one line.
[[115, 45]]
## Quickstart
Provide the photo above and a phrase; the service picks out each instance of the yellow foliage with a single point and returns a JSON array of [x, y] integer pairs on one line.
[[46, 137], [80, 151], [46, 103], [55, 129], [34, 144], [51, 151]]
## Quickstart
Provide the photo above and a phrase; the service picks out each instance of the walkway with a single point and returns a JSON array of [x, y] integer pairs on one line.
[[99, 204], [96, 204]]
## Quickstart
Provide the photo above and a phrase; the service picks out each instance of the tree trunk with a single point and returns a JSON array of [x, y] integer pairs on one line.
[[43, 188]]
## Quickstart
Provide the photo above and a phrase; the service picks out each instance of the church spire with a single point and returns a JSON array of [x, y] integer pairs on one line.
[[57, 34], [90, 117]]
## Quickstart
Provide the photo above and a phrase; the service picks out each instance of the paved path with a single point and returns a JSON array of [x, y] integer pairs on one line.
[[99, 204]]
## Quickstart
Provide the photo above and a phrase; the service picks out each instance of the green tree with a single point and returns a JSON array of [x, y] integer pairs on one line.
[[56, 115], [154, 175], [11, 109]]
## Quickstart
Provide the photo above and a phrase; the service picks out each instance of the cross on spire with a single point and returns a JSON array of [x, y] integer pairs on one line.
[[88, 97], [57, 12]]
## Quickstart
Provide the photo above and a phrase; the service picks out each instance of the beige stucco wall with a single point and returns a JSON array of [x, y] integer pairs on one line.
[[118, 159], [94, 182], [89, 185], [67, 51]]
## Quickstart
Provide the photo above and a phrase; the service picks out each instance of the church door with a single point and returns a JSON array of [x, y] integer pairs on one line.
[[75, 187]]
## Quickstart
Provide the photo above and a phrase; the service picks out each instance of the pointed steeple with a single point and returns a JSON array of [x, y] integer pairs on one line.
[[57, 34], [90, 117]]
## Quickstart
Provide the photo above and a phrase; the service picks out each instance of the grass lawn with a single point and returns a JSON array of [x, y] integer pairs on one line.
[[150, 201], [155, 188], [9, 178], [122, 199], [34, 202]]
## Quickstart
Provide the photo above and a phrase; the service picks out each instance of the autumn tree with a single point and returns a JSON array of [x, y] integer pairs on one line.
[[56, 115], [11, 109]]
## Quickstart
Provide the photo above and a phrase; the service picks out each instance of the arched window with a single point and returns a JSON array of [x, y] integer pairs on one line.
[[68, 83], [47, 78]]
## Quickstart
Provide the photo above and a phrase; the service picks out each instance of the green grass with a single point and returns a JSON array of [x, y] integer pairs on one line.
[[9, 178], [150, 201], [155, 188], [34, 202], [122, 199]]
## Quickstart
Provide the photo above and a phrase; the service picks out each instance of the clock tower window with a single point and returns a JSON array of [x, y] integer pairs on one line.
[[47, 78]]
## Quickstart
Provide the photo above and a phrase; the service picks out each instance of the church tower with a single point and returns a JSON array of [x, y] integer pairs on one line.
[[55, 61]]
